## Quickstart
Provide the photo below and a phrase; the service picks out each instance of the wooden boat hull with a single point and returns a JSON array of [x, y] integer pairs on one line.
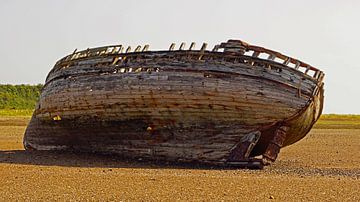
[[173, 106]]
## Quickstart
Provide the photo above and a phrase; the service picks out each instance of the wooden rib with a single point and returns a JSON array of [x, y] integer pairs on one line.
[[192, 45], [172, 46], [182, 46]]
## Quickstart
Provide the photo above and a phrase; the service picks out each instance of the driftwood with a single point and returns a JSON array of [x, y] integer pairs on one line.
[[224, 106]]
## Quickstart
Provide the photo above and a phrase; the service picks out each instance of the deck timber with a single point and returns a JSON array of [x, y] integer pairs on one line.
[[183, 105]]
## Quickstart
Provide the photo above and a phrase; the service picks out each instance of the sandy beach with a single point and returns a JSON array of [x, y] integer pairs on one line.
[[322, 166]]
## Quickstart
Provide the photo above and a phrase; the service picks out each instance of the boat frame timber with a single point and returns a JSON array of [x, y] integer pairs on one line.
[[232, 51]]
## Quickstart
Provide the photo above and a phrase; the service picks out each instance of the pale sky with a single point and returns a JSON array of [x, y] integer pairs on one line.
[[324, 33]]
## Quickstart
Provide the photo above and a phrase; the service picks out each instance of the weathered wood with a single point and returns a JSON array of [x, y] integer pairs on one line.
[[176, 105]]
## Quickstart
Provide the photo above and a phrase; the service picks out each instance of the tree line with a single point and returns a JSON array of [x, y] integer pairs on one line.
[[19, 96]]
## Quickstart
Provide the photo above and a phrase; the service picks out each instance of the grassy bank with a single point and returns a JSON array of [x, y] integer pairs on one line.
[[338, 121], [16, 112]]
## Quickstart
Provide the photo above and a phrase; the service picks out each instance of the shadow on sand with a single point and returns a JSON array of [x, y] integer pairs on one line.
[[89, 160]]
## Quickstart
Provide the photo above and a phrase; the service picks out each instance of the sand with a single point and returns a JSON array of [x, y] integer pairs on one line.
[[323, 166]]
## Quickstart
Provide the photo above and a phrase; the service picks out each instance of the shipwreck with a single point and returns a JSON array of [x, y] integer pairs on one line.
[[234, 105]]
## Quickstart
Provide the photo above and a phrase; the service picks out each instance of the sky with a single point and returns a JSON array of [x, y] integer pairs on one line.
[[324, 33]]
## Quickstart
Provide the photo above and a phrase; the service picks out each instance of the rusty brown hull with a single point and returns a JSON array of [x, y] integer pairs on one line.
[[172, 105]]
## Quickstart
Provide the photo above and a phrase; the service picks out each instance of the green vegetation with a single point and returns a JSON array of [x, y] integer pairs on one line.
[[16, 112], [19, 97], [18, 100], [337, 121]]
